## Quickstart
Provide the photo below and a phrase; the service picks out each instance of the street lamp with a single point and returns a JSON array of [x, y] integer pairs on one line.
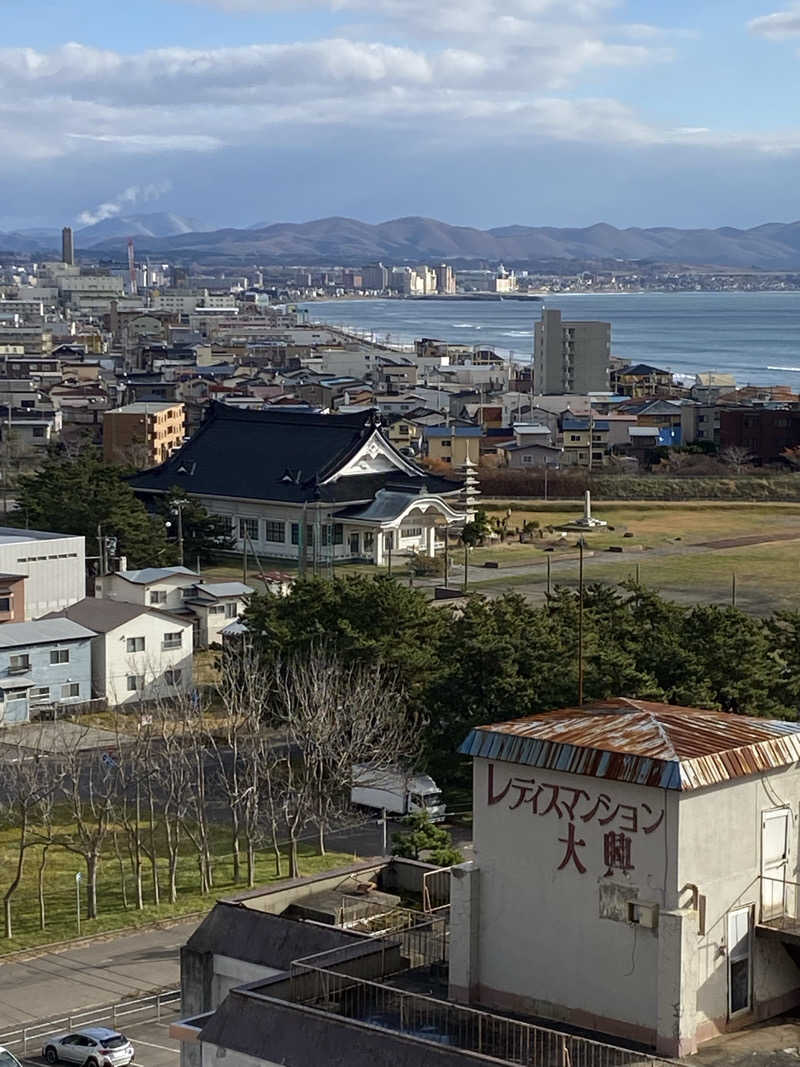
[[78, 900], [581, 546]]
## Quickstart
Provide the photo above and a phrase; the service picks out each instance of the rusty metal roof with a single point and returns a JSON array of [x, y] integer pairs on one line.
[[641, 742]]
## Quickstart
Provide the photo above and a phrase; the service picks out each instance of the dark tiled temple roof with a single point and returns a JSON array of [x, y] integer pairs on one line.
[[278, 455]]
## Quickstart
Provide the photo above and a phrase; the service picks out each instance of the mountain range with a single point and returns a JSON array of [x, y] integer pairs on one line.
[[772, 246]]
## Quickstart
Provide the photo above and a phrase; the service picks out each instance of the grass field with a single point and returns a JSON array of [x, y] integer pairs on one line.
[[60, 894]]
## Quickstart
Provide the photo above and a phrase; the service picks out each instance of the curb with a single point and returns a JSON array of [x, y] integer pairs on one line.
[[23, 954]]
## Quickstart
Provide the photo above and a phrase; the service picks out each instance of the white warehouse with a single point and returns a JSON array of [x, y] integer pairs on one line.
[[52, 564]]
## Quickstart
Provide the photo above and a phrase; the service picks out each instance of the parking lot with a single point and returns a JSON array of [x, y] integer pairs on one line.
[[154, 1047]]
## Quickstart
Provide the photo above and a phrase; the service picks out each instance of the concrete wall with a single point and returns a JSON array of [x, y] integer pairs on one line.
[[554, 935], [720, 852], [276, 901]]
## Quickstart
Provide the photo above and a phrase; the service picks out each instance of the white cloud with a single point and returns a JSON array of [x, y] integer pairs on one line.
[[778, 25], [134, 194]]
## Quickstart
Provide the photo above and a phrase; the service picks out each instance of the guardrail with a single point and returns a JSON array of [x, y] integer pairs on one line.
[[144, 1009]]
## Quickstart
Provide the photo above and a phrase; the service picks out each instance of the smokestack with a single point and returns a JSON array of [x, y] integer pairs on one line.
[[67, 247]]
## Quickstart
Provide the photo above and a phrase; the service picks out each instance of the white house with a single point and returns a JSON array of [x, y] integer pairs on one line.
[[210, 606], [53, 565], [636, 871], [139, 653], [318, 488]]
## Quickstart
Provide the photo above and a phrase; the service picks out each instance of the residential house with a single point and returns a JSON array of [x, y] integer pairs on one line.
[[12, 598], [46, 663], [456, 445], [404, 433], [641, 380], [315, 488], [178, 590], [531, 453], [585, 442], [139, 654]]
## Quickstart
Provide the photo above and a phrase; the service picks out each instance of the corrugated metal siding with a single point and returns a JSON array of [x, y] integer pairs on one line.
[[642, 743]]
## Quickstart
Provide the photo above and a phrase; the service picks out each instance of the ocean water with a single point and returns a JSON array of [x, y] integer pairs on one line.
[[754, 336]]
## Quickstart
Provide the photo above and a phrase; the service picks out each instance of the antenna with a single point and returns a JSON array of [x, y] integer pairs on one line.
[[132, 266]]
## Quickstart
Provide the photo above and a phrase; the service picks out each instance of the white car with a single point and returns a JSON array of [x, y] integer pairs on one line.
[[8, 1059], [96, 1046]]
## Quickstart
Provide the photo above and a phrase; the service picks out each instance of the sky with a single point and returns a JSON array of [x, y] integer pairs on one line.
[[476, 112]]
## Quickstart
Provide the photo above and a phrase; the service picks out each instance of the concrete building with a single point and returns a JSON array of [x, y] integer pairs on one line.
[[570, 357], [43, 664], [445, 279], [52, 565], [143, 434], [138, 654], [67, 246], [375, 276], [649, 854]]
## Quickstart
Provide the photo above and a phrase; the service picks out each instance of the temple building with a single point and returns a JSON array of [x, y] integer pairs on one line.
[[314, 488]]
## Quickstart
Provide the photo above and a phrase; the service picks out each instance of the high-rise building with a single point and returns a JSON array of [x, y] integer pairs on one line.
[[67, 246], [375, 276], [570, 357], [445, 278]]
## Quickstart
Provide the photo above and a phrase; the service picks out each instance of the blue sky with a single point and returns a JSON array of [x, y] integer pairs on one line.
[[478, 112]]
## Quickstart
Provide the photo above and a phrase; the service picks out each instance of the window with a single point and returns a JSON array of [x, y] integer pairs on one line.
[[70, 690], [19, 662], [296, 534], [248, 529], [134, 682], [5, 603], [173, 639], [41, 692], [274, 531], [411, 531], [527, 459], [173, 677], [158, 596], [135, 644], [574, 437], [59, 655], [38, 431], [231, 610], [216, 609]]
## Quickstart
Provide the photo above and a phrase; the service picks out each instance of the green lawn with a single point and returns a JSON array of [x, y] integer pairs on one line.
[[60, 894]]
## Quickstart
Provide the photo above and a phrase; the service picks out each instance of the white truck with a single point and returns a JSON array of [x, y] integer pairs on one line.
[[396, 791]]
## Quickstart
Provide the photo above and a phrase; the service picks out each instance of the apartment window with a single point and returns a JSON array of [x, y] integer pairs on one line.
[[158, 596], [173, 677], [59, 655], [248, 529], [231, 610], [19, 662], [274, 531], [134, 644], [173, 639], [134, 682], [70, 690]]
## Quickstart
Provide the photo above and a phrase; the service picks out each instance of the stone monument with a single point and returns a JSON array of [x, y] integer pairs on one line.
[[587, 522]]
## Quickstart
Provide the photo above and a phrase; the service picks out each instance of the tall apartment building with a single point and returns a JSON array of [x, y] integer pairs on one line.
[[570, 357], [143, 434], [445, 278], [67, 246], [375, 276]]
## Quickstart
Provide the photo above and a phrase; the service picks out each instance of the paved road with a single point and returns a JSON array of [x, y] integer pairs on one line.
[[99, 973], [154, 1047]]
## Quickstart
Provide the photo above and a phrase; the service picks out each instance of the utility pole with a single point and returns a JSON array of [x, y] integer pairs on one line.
[[466, 565], [179, 504], [446, 555], [581, 546]]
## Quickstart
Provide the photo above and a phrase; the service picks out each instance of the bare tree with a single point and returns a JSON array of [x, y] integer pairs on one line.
[[90, 788], [737, 458], [792, 457], [30, 780], [335, 715]]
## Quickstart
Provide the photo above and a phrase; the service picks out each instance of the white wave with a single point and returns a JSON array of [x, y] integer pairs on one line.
[[464, 326], [517, 333], [795, 369]]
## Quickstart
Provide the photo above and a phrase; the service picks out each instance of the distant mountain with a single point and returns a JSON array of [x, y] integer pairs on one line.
[[159, 224], [772, 246]]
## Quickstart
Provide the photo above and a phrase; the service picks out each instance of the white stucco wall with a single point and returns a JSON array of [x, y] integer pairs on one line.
[[720, 852], [149, 664], [544, 947]]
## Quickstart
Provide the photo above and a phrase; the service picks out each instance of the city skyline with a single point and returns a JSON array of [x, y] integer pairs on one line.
[[477, 112]]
